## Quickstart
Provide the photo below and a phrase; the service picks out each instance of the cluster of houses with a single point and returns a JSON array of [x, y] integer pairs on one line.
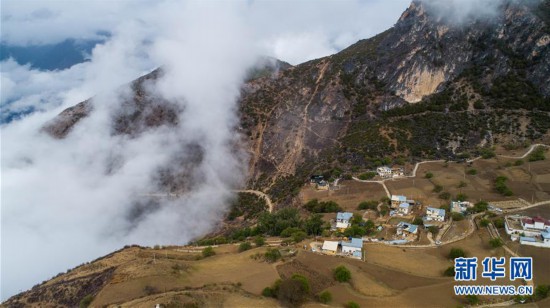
[[533, 231], [352, 248], [400, 206], [387, 172]]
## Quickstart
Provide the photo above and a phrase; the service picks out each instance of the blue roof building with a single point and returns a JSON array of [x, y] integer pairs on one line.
[[344, 216]]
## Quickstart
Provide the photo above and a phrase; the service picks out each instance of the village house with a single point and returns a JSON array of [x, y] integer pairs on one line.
[[536, 223], [396, 200], [404, 228], [460, 206], [434, 214], [384, 171], [404, 208], [343, 220], [323, 185], [397, 171], [353, 248], [330, 247]]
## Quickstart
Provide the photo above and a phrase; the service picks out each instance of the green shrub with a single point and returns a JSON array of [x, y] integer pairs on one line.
[[518, 162], [541, 291], [208, 252], [456, 253], [352, 304], [268, 292], [367, 175], [303, 280], [298, 236], [86, 301], [449, 272], [437, 189], [484, 222], [259, 241], [461, 197], [472, 299], [537, 154], [368, 205], [244, 246], [457, 216], [292, 291], [325, 297], [472, 172], [496, 242], [499, 223], [433, 230], [316, 206], [500, 186], [487, 153], [429, 175], [342, 274], [445, 195], [272, 255]]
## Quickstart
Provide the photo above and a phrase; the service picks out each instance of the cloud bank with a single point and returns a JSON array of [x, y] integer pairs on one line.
[[71, 200]]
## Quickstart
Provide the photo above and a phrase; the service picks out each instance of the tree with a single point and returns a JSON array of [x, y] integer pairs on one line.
[[244, 246], [457, 216], [499, 223], [449, 272], [314, 224], [456, 253], [352, 304], [496, 242], [433, 230], [342, 274], [487, 153], [325, 297], [303, 280], [367, 175], [541, 291], [208, 252], [445, 195], [272, 254], [472, 299], [461, 197], [259, 241], [484, 222], [86, 301], [368, 205], [291, 291], [298, 236], [429, 175], [268, 292], [500, 186], [418, 221], [480, 206], [537, 154]]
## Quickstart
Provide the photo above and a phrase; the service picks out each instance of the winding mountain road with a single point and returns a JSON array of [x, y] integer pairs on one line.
[[260, 194]]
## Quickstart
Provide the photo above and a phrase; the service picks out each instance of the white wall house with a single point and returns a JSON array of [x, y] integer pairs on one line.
[[435, 214], [353, 248], [343, 220], [330, 247], [396, 200], [405, 208], [536, 223], [384, 171]]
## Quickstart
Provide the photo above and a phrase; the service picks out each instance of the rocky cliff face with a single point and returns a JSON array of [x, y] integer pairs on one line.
[[427, 87]]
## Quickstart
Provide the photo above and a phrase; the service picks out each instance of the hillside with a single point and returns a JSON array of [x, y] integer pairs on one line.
[[426, 88]]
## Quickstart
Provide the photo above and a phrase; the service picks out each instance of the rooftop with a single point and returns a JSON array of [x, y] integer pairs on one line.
[[404, 205], [344, 215], [527, 239], [355, 242], [438, 212], [330, 245], [399, 198]]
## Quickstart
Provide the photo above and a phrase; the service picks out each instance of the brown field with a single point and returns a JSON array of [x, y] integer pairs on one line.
[[530, 181], [351, 193]]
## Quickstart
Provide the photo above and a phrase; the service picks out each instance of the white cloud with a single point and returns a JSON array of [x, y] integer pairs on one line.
[[57, 196]]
